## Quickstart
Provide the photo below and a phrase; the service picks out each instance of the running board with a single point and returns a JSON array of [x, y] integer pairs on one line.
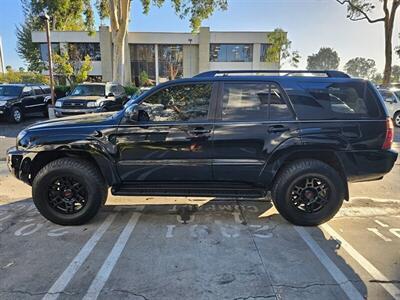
[[170, 189]]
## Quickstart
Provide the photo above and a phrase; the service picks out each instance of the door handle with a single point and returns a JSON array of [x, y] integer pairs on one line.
[[199, 131], [277, 128]]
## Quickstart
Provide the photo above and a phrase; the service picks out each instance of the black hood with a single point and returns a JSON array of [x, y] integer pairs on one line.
[[7, 98], [96, 119]]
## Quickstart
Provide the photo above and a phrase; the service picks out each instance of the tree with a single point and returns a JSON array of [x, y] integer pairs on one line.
[[75, 71], [279, 49], [377, 78], [396, 73], [362, 10], [361, 67], [65, 15], [119, 11], [325, 59]]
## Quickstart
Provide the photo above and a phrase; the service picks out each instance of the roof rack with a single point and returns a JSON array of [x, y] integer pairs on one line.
[[328, 73]]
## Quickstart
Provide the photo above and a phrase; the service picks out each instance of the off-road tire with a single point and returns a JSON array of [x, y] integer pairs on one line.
[[284, 184], [84, 172]]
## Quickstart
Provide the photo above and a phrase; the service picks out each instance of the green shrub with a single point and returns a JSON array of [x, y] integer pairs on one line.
[[61, 90], [131, 90]]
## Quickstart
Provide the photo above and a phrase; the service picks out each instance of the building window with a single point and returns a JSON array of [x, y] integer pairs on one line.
[[78, 51], [44, 53], [170, 63], [231, 52], [143, 64], [263, 52]]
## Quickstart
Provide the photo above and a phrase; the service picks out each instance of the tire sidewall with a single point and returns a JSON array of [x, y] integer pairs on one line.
[[40, 197], [12, 118], [282, 197]]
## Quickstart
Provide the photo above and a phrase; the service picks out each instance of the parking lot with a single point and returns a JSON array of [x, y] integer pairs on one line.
[[200, 248]]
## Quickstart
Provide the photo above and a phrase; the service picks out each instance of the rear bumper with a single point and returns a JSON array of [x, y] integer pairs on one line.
[[368, 165], [19, 163]]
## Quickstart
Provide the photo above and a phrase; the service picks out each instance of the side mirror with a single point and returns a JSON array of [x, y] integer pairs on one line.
[[66, 93], [110, 95], [389, 100], [132, 114]]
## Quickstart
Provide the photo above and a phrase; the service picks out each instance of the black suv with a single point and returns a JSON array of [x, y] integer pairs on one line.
[[18, 100], [220, 134], [90, 98]]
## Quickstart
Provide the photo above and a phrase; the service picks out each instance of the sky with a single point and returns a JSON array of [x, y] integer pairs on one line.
[[310, 24]]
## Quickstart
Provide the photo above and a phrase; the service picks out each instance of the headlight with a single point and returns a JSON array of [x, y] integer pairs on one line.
[[92, 104], [3, 103], [21, 141], [58, 104]]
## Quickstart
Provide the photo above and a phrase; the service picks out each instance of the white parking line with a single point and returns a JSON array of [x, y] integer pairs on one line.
[[374, 272], [338, 275], [102, 275], [79, 259]]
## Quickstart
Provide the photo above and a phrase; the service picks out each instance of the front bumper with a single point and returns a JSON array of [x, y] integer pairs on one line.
[[4, 111], [63, 112], [19, 163]]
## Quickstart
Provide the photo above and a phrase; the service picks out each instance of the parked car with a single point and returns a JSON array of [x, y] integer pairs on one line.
[[19, 100], [302, 138], [91, 98], [392, 102]]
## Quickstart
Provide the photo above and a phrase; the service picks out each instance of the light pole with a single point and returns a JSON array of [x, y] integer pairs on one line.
[[45, 17]]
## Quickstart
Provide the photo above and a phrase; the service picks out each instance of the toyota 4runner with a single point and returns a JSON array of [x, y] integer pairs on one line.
[[301, 135]]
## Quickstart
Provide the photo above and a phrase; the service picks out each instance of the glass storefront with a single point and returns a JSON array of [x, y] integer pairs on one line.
[[44, 53], [78, 51], [143, 64], [231, 52], [170, 62]]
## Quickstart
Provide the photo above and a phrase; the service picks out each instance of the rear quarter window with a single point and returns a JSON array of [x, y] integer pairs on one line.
[[334, 100]]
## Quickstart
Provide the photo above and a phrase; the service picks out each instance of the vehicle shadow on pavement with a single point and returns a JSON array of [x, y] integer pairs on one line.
[[221, 249]]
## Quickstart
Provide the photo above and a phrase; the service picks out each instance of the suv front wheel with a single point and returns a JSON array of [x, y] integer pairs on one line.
[[69, 191], [308, 192]]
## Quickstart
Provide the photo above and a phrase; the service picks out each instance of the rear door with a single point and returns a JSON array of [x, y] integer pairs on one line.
[[39, 104], [253, 119]]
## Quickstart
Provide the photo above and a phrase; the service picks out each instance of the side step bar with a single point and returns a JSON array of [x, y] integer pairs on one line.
[[186, 190]]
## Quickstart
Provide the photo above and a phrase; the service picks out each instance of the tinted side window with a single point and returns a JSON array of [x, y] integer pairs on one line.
[[188, 102], [27, 91], [327, 100], [46, 89], [253, 102], [38, 90]]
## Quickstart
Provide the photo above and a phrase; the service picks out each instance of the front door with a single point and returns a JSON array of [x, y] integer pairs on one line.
[[172, 139], [253, 119], [28, 100]]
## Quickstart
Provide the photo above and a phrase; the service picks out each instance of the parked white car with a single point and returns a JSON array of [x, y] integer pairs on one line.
[[392, 102]]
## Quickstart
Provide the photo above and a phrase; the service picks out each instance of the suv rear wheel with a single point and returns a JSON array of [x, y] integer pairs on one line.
[[308, 192], [69, 191]]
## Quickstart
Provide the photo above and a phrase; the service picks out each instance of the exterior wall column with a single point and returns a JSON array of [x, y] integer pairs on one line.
[[156, 61], [106, 52], [190, 60], [204, 49], [256, 56]]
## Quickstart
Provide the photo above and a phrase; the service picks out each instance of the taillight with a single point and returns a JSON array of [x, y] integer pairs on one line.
[[389, 134]]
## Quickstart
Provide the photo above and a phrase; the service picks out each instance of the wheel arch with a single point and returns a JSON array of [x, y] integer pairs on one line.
[[102, 163], [327, 156]]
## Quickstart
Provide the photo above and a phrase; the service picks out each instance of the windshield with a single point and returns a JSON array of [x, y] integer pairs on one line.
[[89, 90], [10, 90]]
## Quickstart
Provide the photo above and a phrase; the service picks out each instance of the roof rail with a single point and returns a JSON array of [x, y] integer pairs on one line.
[[328, 73]]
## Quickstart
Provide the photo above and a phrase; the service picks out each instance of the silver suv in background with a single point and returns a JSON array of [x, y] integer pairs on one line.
[[392, 101], [91, 98]]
